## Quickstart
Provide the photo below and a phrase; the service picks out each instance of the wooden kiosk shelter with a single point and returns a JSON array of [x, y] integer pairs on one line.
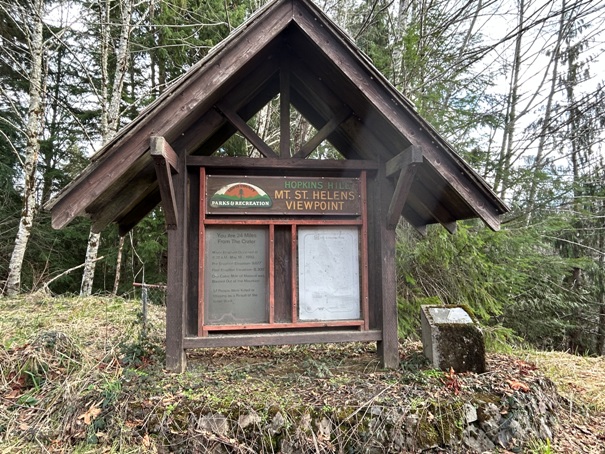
[[280, 249]]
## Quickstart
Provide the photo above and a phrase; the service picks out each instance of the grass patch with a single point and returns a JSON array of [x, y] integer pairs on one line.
[[78, 375], [580, 379]]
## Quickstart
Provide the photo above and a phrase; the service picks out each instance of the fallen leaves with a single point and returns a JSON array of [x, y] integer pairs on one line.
[[146, 441], [451, 382], [13, 394], [518, 386], [91, 414]]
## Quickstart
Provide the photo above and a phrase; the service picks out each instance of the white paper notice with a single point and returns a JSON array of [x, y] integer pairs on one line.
[[328, 273]]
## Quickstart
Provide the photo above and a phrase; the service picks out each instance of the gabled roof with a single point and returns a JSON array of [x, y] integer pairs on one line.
[[329, 80]]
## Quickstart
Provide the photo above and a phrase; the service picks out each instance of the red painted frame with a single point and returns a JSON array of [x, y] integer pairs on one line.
[[361, 221]]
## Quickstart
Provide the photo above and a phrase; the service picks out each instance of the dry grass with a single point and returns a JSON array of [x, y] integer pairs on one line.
[[61, 362], [580, 379], [95, 321]]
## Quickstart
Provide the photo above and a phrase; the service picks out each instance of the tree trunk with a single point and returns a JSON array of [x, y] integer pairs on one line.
[[33, 131], [600, 282], [400, 24], [121, 69], [89, 264], [601, 300], [112, 113], [116, 281], [574, 124], [546, 126], [501, 181]]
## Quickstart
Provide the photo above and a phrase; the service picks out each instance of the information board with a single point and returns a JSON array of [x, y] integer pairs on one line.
[[328, 273], [235, 277]]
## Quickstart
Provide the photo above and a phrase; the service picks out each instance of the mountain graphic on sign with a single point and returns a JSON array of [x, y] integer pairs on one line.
[[240, 195]]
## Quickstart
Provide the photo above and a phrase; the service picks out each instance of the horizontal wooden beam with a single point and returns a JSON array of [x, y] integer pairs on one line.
[[300, 325], [159, 147], [297, 164], [282, 338], [246, 130], [408, 162], [411, 154], [166, 160]]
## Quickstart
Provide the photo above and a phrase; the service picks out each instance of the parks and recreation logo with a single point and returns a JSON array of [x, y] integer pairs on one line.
[[240, 195]]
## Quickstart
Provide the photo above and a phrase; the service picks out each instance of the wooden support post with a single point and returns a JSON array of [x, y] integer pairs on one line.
[[284, 109], [388, 347], [166, 161], [176, 289]]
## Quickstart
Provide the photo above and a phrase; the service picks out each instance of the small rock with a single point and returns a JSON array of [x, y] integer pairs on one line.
[[470, 413], [507, 437], [545, 432], [476, 440], [277, 423], [398, 439], [305, 423], [217, 424], [375, 410], [489, 419], [251, 418], [324, 428]]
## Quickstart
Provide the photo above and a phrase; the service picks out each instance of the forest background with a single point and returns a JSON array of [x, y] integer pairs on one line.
[[515, 85]]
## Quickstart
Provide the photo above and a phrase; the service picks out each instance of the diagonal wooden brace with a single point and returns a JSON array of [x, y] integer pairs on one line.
[[243, 127], [407, 162], [343, 114]]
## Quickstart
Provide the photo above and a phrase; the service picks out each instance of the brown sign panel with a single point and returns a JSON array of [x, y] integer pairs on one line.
[[236, 277], [285, 195]]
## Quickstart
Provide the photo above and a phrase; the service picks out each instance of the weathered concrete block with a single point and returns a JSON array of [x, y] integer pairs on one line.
[[450, 338]]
